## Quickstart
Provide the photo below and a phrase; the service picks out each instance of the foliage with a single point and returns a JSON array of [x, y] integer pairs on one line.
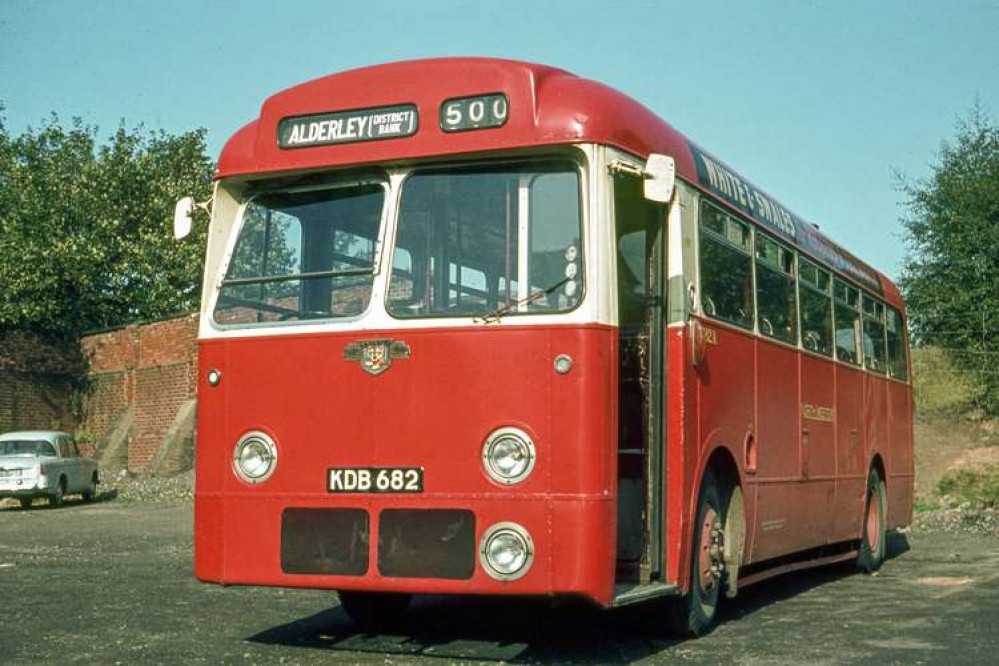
[[951, 276], [85, 226], [979, 486], [940, 388]]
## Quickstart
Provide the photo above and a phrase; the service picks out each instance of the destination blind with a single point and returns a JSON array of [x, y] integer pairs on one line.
[[321, 129]]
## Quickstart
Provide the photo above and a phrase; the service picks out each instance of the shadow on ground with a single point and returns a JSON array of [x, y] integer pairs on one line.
[[529, 630], [70, 501]]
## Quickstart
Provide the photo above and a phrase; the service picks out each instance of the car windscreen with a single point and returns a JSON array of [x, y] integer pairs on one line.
[[26, 447], [303, 255]]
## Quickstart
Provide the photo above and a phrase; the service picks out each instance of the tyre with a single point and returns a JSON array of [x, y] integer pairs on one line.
[[874, 538], [25, 502], [59, 494], [371, 610], [694, 614], [91, 492]]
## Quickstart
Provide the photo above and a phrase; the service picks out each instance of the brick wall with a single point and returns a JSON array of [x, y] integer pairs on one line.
[[37, 380], [150, 367]]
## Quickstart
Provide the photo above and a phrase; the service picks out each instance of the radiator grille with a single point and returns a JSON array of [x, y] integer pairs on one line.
[[433, 543], [325, 541]]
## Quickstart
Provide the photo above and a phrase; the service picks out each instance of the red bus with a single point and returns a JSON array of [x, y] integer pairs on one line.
[[477, 326]]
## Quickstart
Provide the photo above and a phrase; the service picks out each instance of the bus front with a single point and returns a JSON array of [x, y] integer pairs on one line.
[[407, 349]]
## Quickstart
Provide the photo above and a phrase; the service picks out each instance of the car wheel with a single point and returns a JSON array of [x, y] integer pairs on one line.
[[694, 614], [91, 492], [873, 541], [58, 495], [25, 502], [371, 610]]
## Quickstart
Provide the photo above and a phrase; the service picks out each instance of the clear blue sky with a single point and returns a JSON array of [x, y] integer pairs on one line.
[[818, 103]]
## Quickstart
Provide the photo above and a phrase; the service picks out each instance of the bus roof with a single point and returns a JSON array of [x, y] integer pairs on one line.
[[546, 106]]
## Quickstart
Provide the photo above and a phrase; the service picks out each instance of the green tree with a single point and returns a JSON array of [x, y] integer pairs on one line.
[[951, 275], [85, 226]]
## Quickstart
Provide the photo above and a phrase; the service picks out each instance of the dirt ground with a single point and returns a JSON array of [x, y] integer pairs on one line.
[[111, 583], [946, 444]]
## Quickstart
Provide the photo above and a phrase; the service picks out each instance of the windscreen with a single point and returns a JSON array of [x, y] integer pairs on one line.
[[476, 240], [26, 447], [303, 255]]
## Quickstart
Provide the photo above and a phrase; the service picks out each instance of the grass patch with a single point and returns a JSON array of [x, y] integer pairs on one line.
[[978, 486], [939, 386]]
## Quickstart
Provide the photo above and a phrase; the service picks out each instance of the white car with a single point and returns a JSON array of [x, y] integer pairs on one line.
[[44, 463]]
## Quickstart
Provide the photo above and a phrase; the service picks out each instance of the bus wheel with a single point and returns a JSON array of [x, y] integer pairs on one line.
[[695, 612], [873, 540], [374, 609]]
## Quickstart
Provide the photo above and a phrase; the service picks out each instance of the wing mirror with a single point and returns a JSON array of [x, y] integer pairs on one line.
[[659, 178], [182, 221]]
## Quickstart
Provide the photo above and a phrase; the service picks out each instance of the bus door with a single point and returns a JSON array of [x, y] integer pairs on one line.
[[640, 238]]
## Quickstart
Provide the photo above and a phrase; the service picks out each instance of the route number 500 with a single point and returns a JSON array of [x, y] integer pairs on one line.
[[471, 113]]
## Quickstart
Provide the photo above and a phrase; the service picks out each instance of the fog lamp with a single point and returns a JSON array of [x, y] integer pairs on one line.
[[508, 455], [506, 551], [255, 457]]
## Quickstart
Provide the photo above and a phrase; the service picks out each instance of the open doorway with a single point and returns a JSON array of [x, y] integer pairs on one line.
[[640, 238]]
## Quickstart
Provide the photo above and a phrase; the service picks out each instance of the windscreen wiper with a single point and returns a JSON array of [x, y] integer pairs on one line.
[[499, 312]]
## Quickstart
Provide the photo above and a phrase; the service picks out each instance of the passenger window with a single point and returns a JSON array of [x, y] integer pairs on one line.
[[726, 268], [875, 353], [896, 346], [777, 309], [816, 308], [846, 311]]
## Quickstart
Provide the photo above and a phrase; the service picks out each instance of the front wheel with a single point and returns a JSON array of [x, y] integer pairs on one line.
[[873, 542], [374, 609], [694, 613]]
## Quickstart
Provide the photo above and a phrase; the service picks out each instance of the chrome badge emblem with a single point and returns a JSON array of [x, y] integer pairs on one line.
[[376, 355]]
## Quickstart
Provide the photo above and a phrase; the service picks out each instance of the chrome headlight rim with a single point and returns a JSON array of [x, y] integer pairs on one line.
[[506, 529], [494, 439], [248, 439]]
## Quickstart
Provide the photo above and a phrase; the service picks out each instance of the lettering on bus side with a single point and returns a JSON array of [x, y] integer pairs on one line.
[[743, 195]]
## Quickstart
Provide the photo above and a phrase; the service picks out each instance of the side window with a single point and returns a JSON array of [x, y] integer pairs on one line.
[[65, 451], [875, 353], [726, 268], [777, 310], [816, 308], [896, 346], [846, 310]]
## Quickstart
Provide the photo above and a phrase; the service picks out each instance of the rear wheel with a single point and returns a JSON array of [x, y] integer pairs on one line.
[[873, 542], [57, 496], [91, 492], [374, 609], [694, 613]]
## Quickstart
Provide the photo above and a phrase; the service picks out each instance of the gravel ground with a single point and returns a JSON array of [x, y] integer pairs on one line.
[[120, 485], [111, 583]]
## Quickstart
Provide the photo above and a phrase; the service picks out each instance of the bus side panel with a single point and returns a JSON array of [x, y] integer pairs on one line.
[[851, 452], [818, 444], [725, 393], [900, 473], [681, 434], [782, 515]]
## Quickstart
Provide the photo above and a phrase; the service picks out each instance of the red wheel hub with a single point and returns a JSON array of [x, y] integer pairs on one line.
[[710, 558]]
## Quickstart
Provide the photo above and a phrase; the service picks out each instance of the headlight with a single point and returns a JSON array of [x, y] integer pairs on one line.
[[255, 457], [508, 455], [506, 551]]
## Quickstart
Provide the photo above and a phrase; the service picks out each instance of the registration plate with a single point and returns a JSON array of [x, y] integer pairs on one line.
[[375, 480]]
